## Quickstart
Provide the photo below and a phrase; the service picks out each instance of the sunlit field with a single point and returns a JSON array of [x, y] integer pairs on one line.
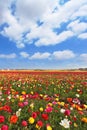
[[43, 100]]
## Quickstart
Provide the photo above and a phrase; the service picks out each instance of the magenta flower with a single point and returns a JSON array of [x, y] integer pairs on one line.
[[48, 109], [67, 112], [4, 127]]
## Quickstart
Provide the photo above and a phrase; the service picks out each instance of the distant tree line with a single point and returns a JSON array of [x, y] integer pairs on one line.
[[83, 69]]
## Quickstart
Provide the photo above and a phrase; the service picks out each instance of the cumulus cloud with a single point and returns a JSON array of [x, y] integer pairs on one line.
[[83, 36], [77, 27], [24, 54], [83, 57], [54, 39], [56, 55], [62, 55], [81, 12], [8, 56], [39, 55], [21, 23]]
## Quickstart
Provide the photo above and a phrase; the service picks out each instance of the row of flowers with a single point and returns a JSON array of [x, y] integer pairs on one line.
[[43, 102]]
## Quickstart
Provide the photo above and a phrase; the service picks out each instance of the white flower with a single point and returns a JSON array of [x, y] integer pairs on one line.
[[77, 95], [65, 123], [62, 110], [17, 96], [2, 99], [18, 113], [9, 97], [19, 109], [71, 108]]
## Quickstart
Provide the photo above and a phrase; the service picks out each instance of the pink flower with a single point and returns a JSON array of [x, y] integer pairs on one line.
[[54, 102], [67, 112], [76, 101], [24, 123], [4, 127], [25, 103], [48, 109]]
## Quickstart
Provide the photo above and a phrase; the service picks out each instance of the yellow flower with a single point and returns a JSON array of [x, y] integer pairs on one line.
[[32, 105], [31, 120], [49, 127], [84, 119], [62, 103], [21, 98], [57, 99], [75, 125], [50, 104], [32, 92], [37, 126], [23, 92], [41, 109], [85, 106], [41, 95]]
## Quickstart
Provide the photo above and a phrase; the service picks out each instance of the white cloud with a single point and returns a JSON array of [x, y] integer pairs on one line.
[[81, 12], [3, 9], [63, 55], [77, 27], [30, 9], [83, 36], [39, 55], [8, 56], [48, 37], [23, 28], [24, 54], [56, 55], [83, 57], [53, 40]]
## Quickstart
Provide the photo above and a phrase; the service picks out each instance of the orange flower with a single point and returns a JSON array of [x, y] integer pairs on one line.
[[69, 99], [84, 119], [13, 119], [1, 108]]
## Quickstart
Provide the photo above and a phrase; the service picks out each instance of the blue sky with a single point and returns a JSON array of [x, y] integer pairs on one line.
[[43, 34]]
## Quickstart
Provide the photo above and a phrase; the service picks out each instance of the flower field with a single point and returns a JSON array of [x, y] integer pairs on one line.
[[43, 100]]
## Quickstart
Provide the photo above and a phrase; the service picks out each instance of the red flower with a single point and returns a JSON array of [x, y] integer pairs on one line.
[[24, 123], [7, 108], [45, 116], [4, 127], [74, 118], [40, 123], [2, 119], [34, 115], [13, 119], [20, 104]]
